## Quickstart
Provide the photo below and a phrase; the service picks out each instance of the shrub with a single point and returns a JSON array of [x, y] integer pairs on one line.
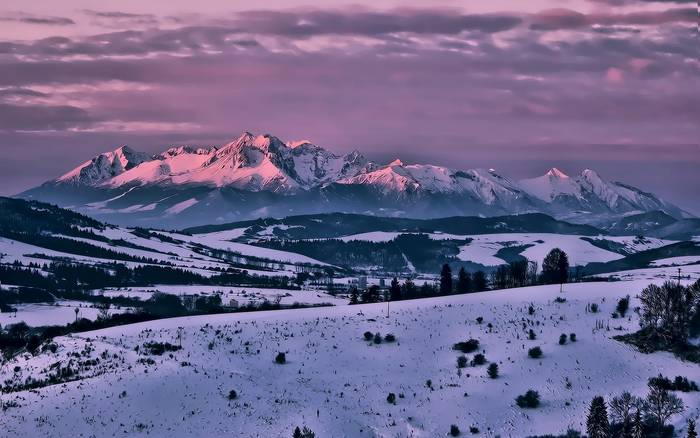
[[281, 358], [474, 430], [531, 310], [531, 335], [562, 339], [368, 336], [572, 337], [390, 338], [377, 338], [462, 361], [623, 305], [530, 400], [391, 398], [492, 370], [535, 352], [303, 433], [158, 348], [560, 300], [480, 319], [232, 394], [467, 346], [479, 359], [594, 308], [454, 430]]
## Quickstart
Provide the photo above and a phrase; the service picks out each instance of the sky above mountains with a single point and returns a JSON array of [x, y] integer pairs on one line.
[[518, 86]]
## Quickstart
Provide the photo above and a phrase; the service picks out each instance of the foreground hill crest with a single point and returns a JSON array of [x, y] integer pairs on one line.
[[258, 175]]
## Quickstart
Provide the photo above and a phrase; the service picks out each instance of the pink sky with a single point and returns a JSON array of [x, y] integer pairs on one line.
[[515, 85]]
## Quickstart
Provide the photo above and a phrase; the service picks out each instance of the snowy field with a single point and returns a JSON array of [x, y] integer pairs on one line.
[[484, 247], [242, 294], [58, 313], [335, 382]]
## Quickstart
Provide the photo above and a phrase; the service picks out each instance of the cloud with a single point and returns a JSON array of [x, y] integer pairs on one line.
[[42, 118], [371, 23], [37, 19], [121, 19], [632, 2], [558, 19]]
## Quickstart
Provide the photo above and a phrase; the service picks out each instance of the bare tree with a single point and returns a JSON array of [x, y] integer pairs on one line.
[[662, 405], [623, 407]]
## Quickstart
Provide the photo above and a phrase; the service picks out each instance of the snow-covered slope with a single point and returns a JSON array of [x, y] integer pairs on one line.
[[104, 167], [330, 382], [261, 175], [590, 193]]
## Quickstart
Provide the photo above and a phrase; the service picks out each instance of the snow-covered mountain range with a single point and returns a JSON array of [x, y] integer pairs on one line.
[[260, 175]]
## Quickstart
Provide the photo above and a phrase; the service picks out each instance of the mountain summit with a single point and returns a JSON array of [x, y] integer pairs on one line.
[[261, 175]]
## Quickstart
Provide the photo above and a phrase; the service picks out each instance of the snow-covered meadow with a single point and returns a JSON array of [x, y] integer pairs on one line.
[[242, 295], [337, 383]]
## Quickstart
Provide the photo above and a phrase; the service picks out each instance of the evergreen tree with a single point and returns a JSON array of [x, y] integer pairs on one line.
[[555, 267], [597, 424], [371, 294], [395, 290], [354, 297], [691, 429], [409, 289], [638, 426], [479, 281], [464, 281], [446, 280]]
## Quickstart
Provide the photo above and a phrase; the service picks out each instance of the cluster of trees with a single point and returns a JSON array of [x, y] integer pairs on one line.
[[424, 253], [668, 316], [670, 312], [555, 268], [75, 276], [519, 273], [633, 417]]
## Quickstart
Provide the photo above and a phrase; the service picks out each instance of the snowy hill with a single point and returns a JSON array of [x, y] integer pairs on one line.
[[330, 383], [261, 175]]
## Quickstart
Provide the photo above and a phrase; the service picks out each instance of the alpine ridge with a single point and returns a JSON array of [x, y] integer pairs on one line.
[[261, 175]]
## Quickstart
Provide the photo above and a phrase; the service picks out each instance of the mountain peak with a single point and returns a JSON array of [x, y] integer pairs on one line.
[[556, 173], [396, 162]]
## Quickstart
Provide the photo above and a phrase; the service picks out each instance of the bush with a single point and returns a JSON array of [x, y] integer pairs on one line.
[[562, 339], [462, 361], [535, 352], [474, 430], [158, 348], [623, 305], [531, 335], [232, 394], [530, 400], [531, 310], [479, 359], [368, 336], [467, 346], [281, 358], [377, 338], [572, 337], [480, 319], [303, 433], [454, 430], [560, 300], [594, 308], [492, 370], [390, 338], [391, 398]]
